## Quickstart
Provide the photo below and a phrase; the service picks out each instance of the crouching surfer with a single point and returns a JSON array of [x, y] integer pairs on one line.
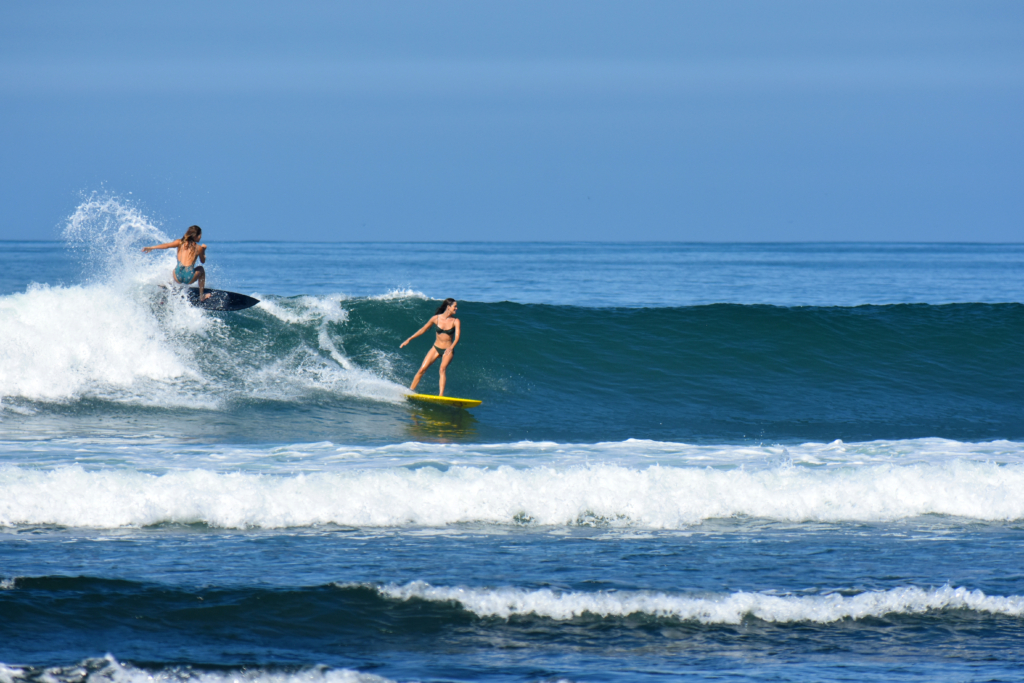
[[448, 330], [189, 251]]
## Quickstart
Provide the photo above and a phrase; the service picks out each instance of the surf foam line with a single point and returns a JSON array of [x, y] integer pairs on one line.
[[730, 608], [119, 337], [110, 670], [61, 343], [141, 345], [156, 454], [607, 495]]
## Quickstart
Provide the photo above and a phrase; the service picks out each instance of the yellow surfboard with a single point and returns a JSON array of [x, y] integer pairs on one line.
[[445, 400]]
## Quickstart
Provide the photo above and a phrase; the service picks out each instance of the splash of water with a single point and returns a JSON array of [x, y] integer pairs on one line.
[[108, 233], [118, 337]]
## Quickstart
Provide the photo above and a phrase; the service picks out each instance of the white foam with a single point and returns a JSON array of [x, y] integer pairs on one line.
[[304, 370], [399, 294], [10, 674], [119, 337], [655, 497], [62, 342], [729, 608], [644, 452], [305, 309], [109, 670], [101, 339]]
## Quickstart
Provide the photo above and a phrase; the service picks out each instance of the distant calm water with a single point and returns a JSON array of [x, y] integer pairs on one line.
[[728, 462]]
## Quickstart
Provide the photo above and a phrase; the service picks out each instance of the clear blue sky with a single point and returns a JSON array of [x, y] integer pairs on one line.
[[585, 120]]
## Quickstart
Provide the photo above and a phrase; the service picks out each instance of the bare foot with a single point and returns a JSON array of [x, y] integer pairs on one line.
[[208, 295]]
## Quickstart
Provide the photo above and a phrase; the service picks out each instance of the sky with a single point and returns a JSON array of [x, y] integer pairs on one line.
[[430, 121]]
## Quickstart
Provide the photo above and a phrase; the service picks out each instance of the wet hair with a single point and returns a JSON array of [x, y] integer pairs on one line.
[[192, 236], [444, 305]]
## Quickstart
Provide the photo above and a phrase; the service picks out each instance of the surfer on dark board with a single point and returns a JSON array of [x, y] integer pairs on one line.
[[448, 330], [189, 250]]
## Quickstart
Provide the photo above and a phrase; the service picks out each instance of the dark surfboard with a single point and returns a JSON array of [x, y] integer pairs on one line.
[[220, 300]]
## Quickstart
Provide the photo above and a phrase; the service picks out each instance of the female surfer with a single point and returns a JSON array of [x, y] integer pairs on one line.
[[189, 249], [448, 330]]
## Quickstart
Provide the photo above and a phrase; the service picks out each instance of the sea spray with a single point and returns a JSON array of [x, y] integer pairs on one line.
[[124, 335], [108, 233]]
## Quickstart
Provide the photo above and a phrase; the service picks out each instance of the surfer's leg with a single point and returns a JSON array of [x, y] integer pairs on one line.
[[445, 361], [201, 276], [428, 360]]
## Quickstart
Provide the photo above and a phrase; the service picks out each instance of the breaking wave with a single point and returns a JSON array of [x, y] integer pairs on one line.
[[110, 670], [654, 497], [730, 608]]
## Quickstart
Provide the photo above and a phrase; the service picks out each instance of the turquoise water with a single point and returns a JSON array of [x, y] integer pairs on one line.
[[728, 462]]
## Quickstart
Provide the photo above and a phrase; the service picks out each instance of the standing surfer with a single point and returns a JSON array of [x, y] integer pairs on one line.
[[448, 330], [189, 249]]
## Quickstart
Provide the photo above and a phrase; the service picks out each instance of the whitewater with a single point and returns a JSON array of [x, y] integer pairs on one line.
[[433, 493]]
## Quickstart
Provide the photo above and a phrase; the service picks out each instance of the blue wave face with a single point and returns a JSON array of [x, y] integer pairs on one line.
[[120, 354], [222, 611], [331, 368]]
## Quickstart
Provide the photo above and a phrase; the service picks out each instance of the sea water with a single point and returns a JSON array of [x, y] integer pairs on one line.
[[724, 462]]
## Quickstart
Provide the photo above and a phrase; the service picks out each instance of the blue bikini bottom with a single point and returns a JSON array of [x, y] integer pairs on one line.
[[184, 273]]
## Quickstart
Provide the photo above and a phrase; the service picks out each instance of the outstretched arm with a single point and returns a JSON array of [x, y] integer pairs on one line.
[[419, 332], [175, 243]]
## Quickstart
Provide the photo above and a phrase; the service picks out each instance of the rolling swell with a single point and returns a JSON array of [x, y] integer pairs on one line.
[[344, 623], [205, 625], [735, 371], [329, 367]]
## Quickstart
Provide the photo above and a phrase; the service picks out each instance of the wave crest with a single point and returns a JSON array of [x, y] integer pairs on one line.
[[732, 608], [656, 497], [110, 670]]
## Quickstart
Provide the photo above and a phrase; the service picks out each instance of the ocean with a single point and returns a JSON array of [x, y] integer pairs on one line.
[[729, 462]]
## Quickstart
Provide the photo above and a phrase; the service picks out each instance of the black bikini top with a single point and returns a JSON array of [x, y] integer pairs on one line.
[[450, 333]]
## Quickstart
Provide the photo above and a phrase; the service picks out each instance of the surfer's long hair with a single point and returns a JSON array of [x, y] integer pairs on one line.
[[192, 237], [444, 305], [190, 240]]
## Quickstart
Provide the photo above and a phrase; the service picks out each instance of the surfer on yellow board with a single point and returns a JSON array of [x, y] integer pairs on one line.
[[448, 330]]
